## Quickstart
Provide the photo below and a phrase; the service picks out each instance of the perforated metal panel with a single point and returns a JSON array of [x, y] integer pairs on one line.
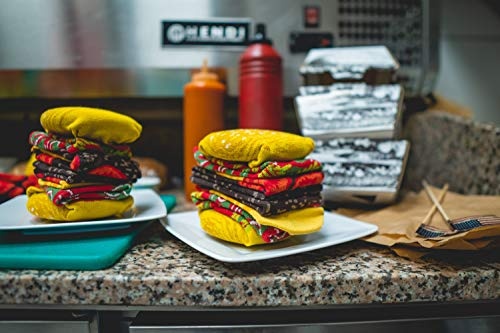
[[404, 26]]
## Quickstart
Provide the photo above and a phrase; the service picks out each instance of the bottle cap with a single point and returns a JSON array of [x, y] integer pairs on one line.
[[260, 35], [204, 74]]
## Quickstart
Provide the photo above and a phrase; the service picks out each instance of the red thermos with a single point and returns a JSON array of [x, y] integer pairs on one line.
[[261, 84]]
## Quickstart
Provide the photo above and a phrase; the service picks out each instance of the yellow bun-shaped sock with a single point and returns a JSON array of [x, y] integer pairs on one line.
[[41, 206], [95, 124], [255, 146], [223, 227], [295, 222]]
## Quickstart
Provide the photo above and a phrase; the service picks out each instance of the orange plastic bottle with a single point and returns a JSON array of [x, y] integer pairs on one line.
[[203, 113]]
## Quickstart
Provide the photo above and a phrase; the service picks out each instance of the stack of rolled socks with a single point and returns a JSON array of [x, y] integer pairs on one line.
[[12, 185], [257, 186], [83, 164]]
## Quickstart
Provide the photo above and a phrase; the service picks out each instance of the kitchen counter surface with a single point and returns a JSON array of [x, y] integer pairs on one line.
[[160, 270]]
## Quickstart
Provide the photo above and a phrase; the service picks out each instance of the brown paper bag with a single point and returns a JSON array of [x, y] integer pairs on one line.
[[398, 223]]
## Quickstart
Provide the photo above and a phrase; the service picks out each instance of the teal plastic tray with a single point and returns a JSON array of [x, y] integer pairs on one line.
[[81, 251], [73, 250]]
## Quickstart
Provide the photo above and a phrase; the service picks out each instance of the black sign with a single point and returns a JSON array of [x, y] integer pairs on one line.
[[205, 33]]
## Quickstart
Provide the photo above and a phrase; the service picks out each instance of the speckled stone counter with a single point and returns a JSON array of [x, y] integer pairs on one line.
[[160, 270], [450, 149]]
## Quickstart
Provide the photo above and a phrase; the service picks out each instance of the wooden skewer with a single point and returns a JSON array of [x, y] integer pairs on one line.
[[431, 212], [437, 204], [456, 225]]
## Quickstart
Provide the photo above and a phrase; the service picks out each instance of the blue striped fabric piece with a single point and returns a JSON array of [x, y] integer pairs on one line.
[[467, 225], [422, 231]]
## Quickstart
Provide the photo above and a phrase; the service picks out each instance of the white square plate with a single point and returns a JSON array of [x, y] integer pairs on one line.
[[15, 217], [150, 182], [336, 229]]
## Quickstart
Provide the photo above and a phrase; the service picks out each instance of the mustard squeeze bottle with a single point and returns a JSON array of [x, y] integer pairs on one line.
[[202, 113]]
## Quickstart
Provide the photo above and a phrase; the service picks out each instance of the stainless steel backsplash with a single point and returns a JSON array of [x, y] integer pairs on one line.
[[114, 48]]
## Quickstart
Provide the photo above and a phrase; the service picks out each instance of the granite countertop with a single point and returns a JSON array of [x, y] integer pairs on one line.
[[160, 270]]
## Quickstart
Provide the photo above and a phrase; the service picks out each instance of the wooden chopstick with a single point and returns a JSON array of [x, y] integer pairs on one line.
[[431, 212], [437, 204]]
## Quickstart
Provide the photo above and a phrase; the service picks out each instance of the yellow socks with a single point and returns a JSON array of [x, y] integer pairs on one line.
[[95, 124], [255, 146]]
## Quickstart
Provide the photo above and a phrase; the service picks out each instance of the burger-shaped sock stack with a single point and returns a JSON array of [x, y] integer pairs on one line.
[[83, 164], [257, 186]]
